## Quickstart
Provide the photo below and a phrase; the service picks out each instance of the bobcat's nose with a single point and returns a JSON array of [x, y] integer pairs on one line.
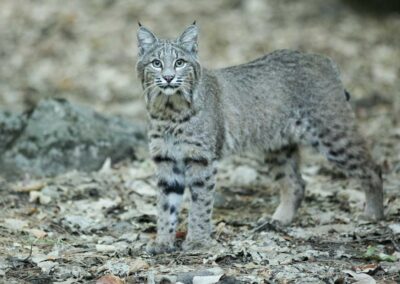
[[168, 78]]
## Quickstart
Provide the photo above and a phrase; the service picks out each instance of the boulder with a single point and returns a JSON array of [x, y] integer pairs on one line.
[[58, 136]]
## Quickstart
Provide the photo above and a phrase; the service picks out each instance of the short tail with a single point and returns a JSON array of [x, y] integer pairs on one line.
[[347, 94]]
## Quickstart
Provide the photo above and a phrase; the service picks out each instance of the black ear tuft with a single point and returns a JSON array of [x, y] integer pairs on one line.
[[194, 23], [139, 24]]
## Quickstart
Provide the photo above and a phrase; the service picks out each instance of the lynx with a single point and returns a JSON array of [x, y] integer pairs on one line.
[[271, 105]]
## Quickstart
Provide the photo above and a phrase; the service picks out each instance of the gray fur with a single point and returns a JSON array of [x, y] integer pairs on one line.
[[271, 105]]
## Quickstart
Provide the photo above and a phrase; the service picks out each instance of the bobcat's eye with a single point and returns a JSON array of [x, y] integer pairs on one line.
[[156, 63], [180, 63]]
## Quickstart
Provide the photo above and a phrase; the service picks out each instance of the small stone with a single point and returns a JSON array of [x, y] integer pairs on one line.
[[38, 258], [36, 196], [395, 228], [129, 237], [106, 240], [47, 266], [206, 279], [117, 267], [206, 276], [138, 265], [142, 188], [105, 248], [79, 223], [15, 224]]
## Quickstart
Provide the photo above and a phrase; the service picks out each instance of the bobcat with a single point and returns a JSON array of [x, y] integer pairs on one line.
[[272, 105]]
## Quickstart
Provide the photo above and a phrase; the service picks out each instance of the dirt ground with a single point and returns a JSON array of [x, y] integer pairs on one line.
[[77, 227]]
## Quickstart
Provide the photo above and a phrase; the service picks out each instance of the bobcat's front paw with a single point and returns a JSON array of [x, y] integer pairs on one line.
[[373, 213], [155, 247], [284, 214]]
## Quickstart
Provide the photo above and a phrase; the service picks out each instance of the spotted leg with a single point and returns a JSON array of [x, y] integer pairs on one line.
[[343, 146], [285, 169], [200, 178], [171, 185]]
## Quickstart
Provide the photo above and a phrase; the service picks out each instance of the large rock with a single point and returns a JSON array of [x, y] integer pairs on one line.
[[11, 125], [58, 136]]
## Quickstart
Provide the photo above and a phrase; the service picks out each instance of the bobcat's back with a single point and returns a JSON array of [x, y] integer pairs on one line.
[[261, 100]]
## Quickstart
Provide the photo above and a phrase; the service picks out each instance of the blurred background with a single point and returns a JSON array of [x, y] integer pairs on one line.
[[85, 51], [83, 200]]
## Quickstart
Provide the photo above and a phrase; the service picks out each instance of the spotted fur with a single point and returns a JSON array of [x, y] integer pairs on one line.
[[271, 105]]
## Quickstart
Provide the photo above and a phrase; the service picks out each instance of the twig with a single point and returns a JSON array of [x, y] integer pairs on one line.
[[271, 225], [29, 255], [15, 260]]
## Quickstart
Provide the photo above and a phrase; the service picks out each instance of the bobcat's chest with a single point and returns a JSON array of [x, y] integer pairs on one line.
[[167, 137]]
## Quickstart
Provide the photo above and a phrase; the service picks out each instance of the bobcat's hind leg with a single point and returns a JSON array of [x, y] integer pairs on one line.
[[344, 147], [285, 169]]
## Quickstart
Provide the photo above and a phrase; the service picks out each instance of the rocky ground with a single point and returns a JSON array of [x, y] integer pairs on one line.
[[80, 225]]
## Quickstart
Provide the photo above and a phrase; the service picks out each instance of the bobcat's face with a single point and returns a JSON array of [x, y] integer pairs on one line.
[[168, 66]]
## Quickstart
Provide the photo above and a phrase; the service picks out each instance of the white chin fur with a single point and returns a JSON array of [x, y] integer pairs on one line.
[[169, 91]]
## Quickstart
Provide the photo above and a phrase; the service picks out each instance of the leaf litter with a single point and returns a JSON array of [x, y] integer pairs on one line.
[[86, 227]]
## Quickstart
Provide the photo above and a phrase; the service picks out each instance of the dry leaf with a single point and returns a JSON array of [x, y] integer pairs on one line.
[[32, 186], [180, 234], [37, 233], [110, 279], [361, 278], [137, 265], [106, 167], [31, 211], [370, 269]]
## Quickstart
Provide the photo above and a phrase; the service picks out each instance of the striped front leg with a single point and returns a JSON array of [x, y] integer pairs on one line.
[[200, 178], [170, 181]]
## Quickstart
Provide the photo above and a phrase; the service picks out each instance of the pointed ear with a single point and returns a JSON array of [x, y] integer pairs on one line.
[[188, 39], [145, 39]]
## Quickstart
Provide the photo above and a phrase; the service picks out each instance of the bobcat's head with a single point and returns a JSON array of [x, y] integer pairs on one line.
[[168, 67]]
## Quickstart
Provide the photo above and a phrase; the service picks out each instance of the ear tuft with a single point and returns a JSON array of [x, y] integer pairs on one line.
[[194, 23], [188, 39], [145, 39], [139, 24]]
